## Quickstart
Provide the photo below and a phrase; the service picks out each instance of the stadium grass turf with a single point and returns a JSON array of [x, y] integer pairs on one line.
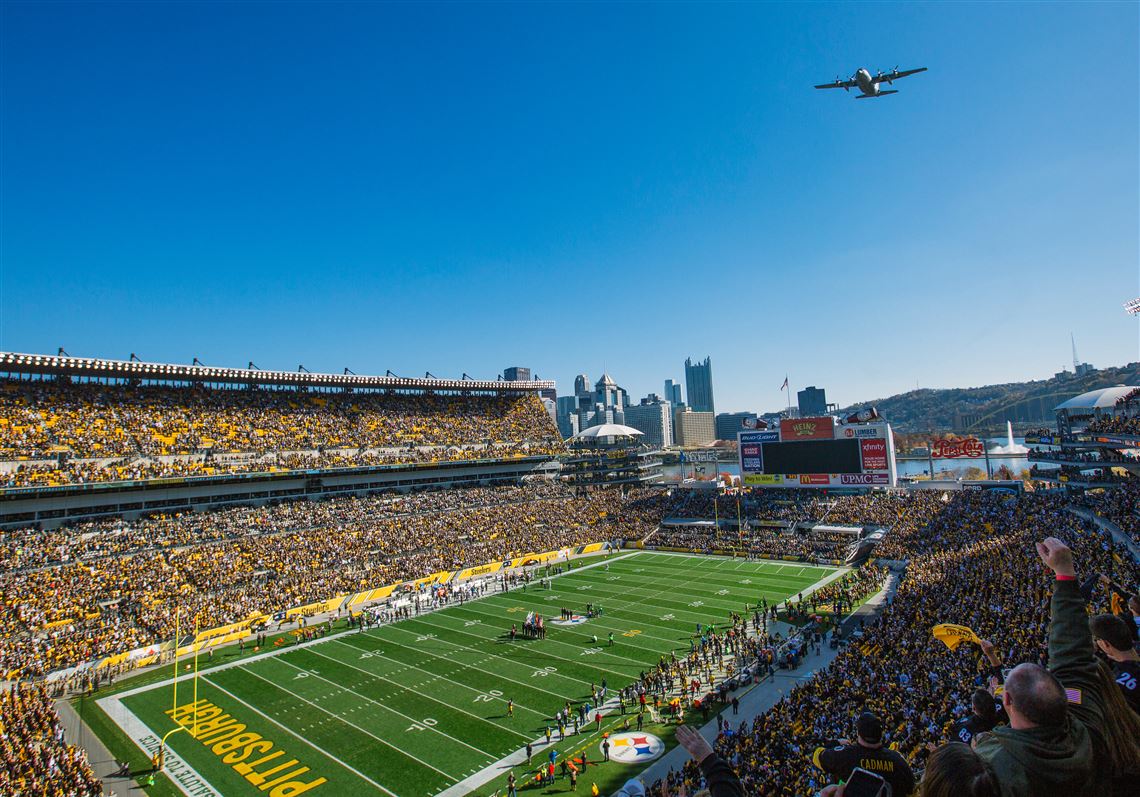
[[411, 708]]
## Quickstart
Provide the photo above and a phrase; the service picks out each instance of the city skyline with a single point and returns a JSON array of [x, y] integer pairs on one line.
[[358, 186]]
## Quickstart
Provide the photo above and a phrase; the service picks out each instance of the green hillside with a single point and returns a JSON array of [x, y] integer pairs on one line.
[[980, 409]]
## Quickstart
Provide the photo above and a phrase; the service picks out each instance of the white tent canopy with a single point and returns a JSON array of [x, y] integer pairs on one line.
[[607, 430], [1105, 398]]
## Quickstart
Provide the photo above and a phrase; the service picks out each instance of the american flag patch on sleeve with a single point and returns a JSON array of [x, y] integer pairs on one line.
[[1073, 696]]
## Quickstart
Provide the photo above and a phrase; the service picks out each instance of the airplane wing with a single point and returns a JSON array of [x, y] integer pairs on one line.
[[839, 84], [895, 75]]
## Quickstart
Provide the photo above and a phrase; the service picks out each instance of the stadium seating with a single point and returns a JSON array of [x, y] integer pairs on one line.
[[63, 433], [970, 562], [36, 760], [95, 589]]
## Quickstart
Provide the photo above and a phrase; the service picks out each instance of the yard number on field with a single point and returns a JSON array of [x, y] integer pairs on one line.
[[545, 671], [487, 697], [423, 725]]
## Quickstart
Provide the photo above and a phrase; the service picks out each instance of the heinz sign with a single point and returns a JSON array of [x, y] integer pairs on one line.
[[807, 429]]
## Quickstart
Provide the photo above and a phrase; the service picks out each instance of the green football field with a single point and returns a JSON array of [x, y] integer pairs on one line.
[[416, 707]]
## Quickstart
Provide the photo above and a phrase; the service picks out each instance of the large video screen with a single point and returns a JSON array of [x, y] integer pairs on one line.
[[812, 456]]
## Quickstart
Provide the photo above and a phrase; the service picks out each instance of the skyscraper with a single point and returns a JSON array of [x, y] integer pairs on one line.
[[698, 385], [673, 392], [651, 416], [812, 401]]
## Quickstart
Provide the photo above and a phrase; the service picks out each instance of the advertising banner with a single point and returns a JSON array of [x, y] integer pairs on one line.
[[699, 456], [769, 436], [763, 478], [807, 429], [878, 430], [864, 478], [874, 453], [1118, 441], [814, 478], [751, 457], [966, 448]]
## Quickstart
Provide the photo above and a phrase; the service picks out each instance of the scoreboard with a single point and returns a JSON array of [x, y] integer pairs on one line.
[[817, 452]]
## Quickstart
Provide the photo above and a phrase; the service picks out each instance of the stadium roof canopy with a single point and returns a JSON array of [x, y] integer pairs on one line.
[[607, 430], [95, 368], [1105, 398]]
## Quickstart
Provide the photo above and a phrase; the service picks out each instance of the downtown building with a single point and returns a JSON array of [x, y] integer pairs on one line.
[[653, 418], [729, 423], [698, 385], [692, 428]]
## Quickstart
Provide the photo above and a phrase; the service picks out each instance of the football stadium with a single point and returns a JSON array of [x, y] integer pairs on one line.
[[800, 505], [236, 582]]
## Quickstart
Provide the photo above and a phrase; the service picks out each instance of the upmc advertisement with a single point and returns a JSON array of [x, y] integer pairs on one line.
[[818, 453]]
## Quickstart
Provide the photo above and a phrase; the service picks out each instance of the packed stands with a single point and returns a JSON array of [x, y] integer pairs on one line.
[[971, 562], [36, 760], [1118, 424], [58, 432], [1061, 455], [79, 593]]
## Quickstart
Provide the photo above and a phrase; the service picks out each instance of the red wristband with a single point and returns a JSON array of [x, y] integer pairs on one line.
[[1066, 578]]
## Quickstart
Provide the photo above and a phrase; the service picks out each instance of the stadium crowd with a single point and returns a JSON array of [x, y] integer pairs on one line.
[[80, 593], [1116, 424], [971, 562], [36, 759], [1060, 455], [86, 432]]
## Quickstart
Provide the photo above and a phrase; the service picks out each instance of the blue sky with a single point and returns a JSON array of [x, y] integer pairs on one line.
[[453, 188]]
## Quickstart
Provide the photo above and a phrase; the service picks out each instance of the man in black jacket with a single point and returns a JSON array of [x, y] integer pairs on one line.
[[867, 752]]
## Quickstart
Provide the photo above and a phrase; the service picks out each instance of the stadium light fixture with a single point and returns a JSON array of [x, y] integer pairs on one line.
[[1132, 307]]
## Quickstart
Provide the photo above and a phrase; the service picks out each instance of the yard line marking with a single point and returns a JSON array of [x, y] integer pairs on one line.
[[381, 705], [345, 720], [421, 694], [516, 661], [434, 676], [561, 696], [320, 750], [598, 623]]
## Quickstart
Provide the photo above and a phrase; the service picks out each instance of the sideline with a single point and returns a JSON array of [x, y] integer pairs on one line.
[[177, 769], [518, 758]]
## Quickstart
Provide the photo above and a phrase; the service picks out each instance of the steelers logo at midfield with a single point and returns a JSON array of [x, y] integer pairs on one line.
[[635, 748]]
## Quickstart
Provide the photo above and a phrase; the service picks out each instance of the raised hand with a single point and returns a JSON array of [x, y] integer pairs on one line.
[[1056, 556]]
